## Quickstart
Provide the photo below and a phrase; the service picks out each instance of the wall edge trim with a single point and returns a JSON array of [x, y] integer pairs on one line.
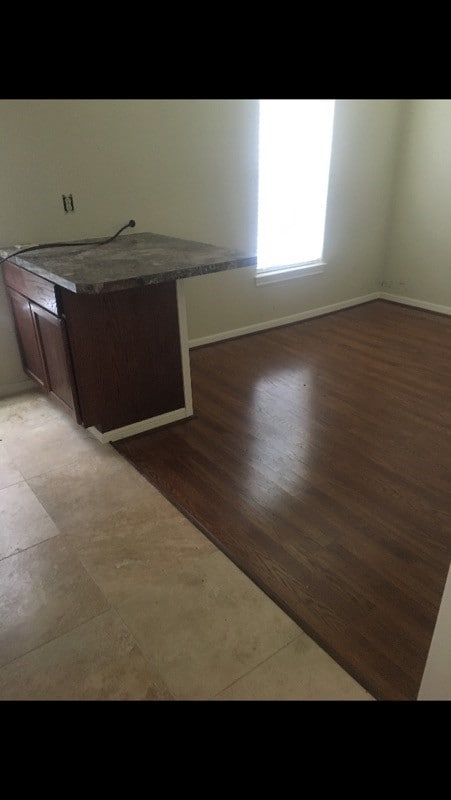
[[412, 301], [275, 323]]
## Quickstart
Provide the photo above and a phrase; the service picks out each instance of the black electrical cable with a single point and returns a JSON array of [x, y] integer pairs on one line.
[[130, 224]]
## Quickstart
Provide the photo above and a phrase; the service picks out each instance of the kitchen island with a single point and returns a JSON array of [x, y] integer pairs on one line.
[[102, 328]]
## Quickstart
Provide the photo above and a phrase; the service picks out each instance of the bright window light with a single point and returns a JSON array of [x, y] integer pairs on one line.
[[295, 141]]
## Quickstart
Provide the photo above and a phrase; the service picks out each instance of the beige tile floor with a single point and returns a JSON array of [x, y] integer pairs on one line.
[[107, 591]]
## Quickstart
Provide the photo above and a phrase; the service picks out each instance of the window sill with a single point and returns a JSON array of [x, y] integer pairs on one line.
[[265, 276]]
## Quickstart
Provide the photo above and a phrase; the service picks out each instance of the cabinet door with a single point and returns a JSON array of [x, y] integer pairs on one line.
[[30, 349], [51, 333]]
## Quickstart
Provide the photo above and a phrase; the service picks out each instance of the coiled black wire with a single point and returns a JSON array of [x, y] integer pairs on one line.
[[130, 224]]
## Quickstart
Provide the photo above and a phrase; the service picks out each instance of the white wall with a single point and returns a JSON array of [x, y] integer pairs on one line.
[[418, 261], [436, 681], [362, 167], [189, 168]]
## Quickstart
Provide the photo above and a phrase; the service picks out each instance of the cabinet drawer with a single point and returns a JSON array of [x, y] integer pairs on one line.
[[32, 286]]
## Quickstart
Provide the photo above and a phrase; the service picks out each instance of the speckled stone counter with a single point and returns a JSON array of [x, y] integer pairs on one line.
[[129, 261]]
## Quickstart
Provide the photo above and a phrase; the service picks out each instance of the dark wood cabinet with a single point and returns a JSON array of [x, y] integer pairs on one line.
[[59, 377], [110, 359], [30, 350], [44, 349]]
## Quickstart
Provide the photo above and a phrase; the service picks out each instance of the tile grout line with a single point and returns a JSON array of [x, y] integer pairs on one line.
[[38, 475], [150, 662], [36, 544], [244, 675], [8, 486], [10, 458], [45, 514], [53, 638], [30, 546], [54, 469], [63, 466], [114, 608]]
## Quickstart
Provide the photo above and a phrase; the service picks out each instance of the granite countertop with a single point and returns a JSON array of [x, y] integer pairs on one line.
[[130, 260]]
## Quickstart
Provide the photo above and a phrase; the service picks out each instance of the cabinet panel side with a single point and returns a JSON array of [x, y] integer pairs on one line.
[[125, 347]]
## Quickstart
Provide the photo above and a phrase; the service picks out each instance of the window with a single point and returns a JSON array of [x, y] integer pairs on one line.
[[295, 141]]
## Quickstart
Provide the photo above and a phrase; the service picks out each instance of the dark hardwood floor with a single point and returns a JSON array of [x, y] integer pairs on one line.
[[319, 461]]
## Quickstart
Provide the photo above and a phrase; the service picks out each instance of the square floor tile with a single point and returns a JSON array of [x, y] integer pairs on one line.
[[93, 488], [23, 521], [44, 592], [99, 660], [123, 551], [299, 671], [204, 624], [9, 474], [27, 410], [49, 446]]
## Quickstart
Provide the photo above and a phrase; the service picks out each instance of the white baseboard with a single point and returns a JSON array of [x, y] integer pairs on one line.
[[16, 388], [139, 427], [275, 323], [411, 301]]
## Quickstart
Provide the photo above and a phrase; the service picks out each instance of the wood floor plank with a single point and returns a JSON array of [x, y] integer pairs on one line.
[[319, 461]]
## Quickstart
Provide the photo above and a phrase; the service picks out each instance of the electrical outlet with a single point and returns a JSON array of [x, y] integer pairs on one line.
[[68, 203]]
